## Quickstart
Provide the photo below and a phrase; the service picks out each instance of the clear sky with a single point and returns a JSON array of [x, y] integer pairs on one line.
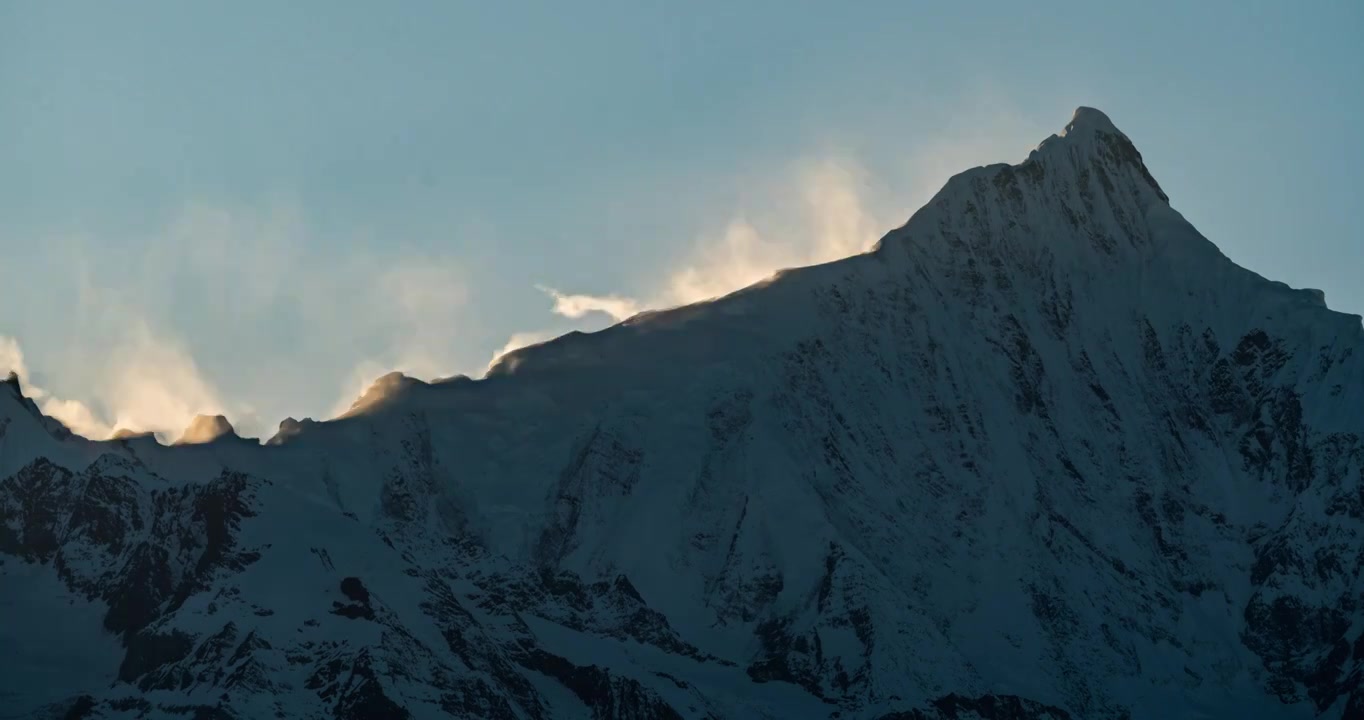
[[257, 207]]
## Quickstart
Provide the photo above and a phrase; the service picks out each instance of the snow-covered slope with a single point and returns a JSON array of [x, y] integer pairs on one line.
[[1044, 453]]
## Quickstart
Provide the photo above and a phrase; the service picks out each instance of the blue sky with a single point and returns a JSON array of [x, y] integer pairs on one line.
[[257, 207]]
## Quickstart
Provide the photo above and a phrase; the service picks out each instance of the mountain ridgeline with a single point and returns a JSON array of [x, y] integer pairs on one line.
[[1044, 452]]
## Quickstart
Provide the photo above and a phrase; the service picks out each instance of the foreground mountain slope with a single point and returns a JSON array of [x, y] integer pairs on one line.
[[1043, 453]]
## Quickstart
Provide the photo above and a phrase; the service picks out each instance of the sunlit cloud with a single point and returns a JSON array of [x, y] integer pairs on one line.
[[518, 341], [143, 383], [822, 217], [576, 306], [12, 360], [285, 322], [152, 384], [75, 415], [354, 385]]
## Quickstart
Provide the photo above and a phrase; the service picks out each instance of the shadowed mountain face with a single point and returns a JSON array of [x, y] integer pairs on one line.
[[1044, 453]]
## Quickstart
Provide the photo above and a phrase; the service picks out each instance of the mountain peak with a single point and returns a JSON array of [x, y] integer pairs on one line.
[[289, 427], [1091, 138], [1091, 120], [1132, 463], [384, 389], [205, 429]]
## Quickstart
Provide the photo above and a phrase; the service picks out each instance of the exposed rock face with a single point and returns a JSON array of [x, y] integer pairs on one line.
[[1044, 454]]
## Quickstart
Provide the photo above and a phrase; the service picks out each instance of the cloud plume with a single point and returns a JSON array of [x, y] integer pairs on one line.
[[151, 383], [576, 306], [820, 217], [518, 341], [75, 415], [255, 298]]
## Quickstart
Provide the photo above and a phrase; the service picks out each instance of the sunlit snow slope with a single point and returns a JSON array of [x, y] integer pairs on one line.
[[1044, 453]]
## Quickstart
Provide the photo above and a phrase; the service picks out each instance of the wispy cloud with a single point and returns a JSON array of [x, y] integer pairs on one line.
[[141, 382], [152, 383], [282, 312], [520, 340], [421, 303], [576, 306], [819, 217], [825, 218], [75, 415], [354, 385]]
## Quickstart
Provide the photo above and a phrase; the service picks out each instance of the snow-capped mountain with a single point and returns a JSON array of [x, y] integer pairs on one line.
[[1043, 453]]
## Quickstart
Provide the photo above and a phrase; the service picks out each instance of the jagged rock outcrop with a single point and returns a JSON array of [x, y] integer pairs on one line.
[[204, 429]]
